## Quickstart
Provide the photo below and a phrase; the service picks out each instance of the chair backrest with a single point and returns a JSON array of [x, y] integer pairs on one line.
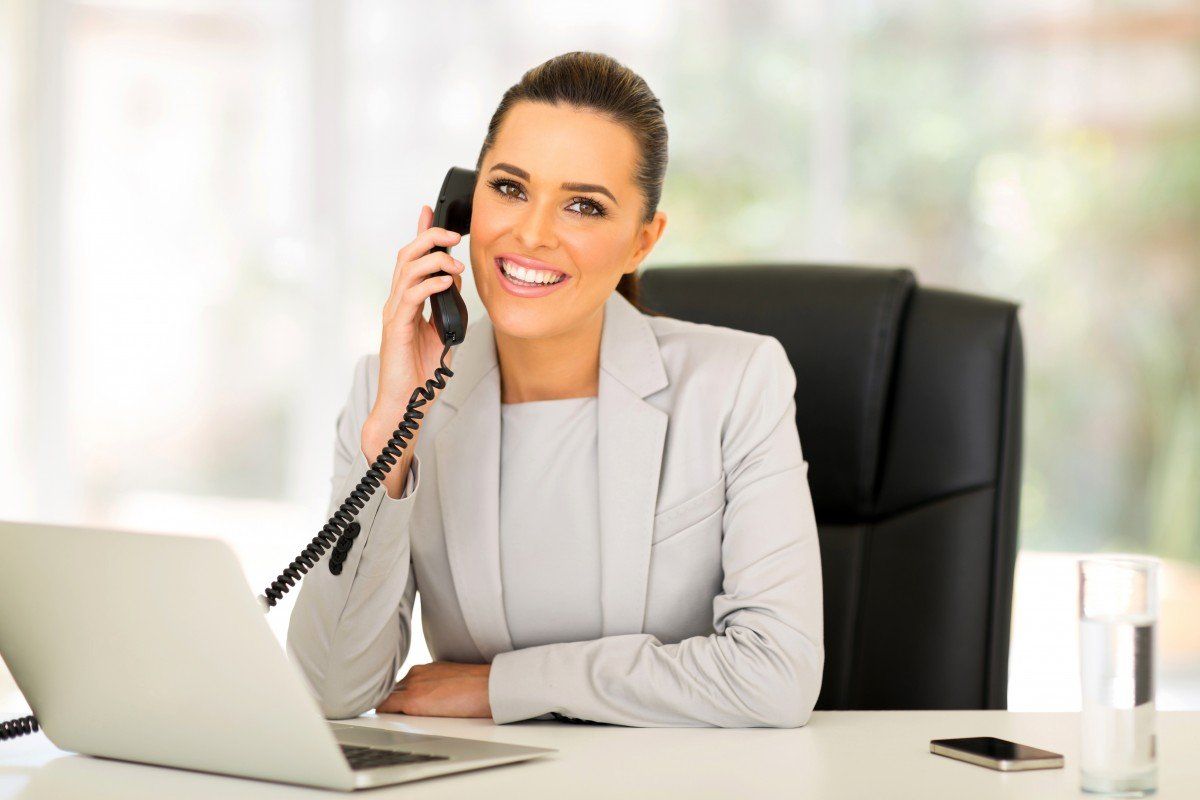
[[908, 403]]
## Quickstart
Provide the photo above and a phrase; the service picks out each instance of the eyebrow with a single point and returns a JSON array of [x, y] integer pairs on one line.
[[573, 187]]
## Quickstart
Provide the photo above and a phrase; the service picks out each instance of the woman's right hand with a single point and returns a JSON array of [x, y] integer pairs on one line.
[[410, 349]]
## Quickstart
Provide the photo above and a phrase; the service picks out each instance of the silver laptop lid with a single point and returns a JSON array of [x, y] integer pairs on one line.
[[153, 648]]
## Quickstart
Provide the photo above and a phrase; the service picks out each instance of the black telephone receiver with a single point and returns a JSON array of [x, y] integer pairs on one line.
[[452, 212], [449, 317]]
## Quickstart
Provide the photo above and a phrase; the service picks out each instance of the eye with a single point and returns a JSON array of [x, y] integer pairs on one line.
[[499, 184], [598, 212], [502, 185]]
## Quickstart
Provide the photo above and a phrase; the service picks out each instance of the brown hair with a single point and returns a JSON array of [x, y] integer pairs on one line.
[[597, 82]]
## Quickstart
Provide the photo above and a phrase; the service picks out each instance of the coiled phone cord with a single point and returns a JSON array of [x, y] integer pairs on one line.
[[341, 529], [21, 726], [333, 533]]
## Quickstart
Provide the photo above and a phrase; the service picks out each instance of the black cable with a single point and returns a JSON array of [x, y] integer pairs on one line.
[[333, 533], [22, 726], [342, 538]]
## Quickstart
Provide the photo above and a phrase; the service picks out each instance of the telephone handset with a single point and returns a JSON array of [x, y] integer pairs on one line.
[[452, 212], [448, 314]]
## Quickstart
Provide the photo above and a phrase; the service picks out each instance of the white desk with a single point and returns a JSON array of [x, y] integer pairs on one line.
[[854, 754]]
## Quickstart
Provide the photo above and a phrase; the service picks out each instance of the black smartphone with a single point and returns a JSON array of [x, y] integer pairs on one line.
[[1001, 754], [452, 211]]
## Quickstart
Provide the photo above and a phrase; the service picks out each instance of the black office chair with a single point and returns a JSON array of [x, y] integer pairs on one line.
[[908, 402]]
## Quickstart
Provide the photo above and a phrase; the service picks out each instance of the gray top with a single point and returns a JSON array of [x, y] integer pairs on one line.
[[549, 521]]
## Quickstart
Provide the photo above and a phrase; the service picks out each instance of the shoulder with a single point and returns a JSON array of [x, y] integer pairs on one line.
[[738, 384], [699, 352]]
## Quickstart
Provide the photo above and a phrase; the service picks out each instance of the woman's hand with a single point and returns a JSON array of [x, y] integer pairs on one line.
[[410, 349], [441, 689]]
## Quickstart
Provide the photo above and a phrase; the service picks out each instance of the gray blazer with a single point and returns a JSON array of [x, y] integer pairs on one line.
[[711, 573]]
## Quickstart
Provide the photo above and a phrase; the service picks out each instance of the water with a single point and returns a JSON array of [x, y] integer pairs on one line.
[[1117, 743]]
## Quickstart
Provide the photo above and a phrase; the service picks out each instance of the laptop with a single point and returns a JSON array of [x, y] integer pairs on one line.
[[152, 648]]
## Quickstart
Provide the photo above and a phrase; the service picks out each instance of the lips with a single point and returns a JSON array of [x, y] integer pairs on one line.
[[523, 290]]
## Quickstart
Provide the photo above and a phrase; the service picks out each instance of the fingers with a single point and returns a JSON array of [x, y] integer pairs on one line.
[[413, 278], [425, 241], [418, 671], [440, 689], [415, 250], [413, 298], [427, 238], [427, 265], [394, 704], [420, 279]]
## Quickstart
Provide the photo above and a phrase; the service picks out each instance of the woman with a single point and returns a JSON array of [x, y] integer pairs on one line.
[[606, 513]]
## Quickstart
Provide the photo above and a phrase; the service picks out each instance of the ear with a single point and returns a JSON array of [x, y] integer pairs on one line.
[[648, 236]]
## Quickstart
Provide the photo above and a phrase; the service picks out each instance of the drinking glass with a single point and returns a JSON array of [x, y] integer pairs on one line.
[[1118, 610]]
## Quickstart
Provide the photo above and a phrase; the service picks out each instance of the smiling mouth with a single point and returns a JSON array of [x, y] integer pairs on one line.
[[529, 277]]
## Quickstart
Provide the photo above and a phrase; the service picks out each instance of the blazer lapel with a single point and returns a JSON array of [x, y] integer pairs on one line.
[[468, 467], [631, 433]]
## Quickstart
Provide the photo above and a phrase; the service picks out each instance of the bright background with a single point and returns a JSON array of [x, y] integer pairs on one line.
[[201, 201]]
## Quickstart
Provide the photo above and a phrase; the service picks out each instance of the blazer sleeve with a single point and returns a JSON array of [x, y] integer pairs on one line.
[[762, 665], [350, 633]]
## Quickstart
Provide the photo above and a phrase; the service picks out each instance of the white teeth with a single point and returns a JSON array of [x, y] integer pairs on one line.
[[529, 275]]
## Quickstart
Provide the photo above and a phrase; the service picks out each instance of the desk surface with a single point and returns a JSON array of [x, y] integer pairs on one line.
[[852, 754]]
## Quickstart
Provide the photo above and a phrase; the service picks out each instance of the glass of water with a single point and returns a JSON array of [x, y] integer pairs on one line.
[[1118, 609]]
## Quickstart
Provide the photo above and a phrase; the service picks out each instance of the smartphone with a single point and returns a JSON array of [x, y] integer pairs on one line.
[[1001, 754]]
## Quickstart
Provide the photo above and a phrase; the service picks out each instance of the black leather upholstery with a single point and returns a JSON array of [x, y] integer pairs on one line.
[[908, 402]]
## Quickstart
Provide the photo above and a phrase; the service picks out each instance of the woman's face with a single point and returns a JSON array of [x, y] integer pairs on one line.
[[556, 192]]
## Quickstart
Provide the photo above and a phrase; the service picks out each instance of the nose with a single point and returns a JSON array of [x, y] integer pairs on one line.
[[535, 227]]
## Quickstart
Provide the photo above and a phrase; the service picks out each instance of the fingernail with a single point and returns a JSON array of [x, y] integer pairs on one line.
[[446, 278]]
